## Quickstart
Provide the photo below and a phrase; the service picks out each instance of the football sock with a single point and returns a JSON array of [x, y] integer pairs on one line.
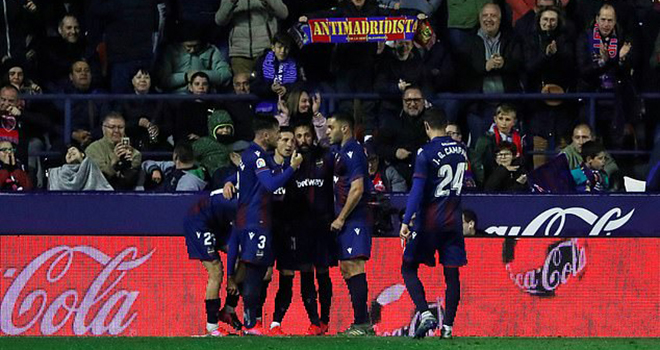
[[231, 301], [357, 287], [308, 294], [414, 285], [212, 309], [283, 298], [262, 298], [452, 294], [252, 284], [325, 295]]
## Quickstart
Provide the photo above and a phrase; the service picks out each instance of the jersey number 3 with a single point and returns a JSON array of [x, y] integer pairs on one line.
[[450, 181]]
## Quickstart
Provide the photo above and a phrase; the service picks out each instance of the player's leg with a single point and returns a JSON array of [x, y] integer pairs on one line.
[[355, 276], [410, 273], [325, 295], [282, 300], [263, 295], [452, 298], [212, 299], [252, 286], [308, 295]]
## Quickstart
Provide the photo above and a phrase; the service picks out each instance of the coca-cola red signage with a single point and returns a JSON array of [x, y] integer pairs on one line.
[[146, 286]]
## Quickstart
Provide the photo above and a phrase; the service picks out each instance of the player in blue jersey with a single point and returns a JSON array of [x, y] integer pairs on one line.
[[352, 218], [207, 228], [304, 243], [435, 203], [256, 184]]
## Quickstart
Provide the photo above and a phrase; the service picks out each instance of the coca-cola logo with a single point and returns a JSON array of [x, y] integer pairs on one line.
[[610, 221], [564, 260], [100, 295]]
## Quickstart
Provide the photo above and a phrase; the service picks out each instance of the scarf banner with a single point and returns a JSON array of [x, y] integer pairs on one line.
[[361, 29]]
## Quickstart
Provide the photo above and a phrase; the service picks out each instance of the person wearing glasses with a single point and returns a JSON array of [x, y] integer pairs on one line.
[[118, 160], [400, 136], [508, 176], [13, 176]]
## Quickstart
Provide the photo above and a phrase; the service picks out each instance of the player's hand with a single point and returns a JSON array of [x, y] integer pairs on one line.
[[296, 159], [228, 190], [404, 234], [337, 225], [232, 287], [157, 176]]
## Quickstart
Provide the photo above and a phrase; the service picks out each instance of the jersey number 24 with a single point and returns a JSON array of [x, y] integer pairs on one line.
[[450, 181]]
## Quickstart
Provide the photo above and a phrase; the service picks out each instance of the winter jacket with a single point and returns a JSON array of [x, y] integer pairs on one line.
[[176, 179], [120, 176], [253, 25], [211, 152], [14, 178], [177, 62]]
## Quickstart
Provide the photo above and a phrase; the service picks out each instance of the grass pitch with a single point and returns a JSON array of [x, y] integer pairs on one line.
[[321, 343]]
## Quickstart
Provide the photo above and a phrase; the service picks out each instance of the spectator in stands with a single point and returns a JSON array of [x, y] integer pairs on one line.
[[508, 175], [189, 122], [503, 129], [144, 116], [85, 114], [276, 71], [584, 13], [128, 28], [241, 111], [470, 224], [582, 133], [529, 20], [12, 122], [383, 177], [492, 65], [550, 68], [604, 58], [16, 76], [427, 7], [179, 174], [400, 136], [19, 21], [79, 173], [590, 176], [454, 131], [119, 162], [353, 63], [300, 107], [253, 24], [462, 20], [13, 176], [191, 55], [212, 151], [398, 68], [57, 54], [439, 69]]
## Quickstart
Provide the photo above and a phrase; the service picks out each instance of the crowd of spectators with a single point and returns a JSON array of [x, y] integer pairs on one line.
[[207, 48]]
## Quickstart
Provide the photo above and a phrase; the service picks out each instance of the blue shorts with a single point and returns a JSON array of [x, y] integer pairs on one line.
[[354, 242], [450, 245], [256, 246], [202, 243]]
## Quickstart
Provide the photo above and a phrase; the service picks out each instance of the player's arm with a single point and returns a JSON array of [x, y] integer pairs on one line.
[[415, 195], [274, 181], [354, 196]]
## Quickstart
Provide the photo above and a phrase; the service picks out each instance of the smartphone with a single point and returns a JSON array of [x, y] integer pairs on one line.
[[126, 141]]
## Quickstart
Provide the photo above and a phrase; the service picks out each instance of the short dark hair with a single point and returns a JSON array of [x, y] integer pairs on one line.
[[113, 115], [436, 118], [284, 39], [470, 216], [413, 87], [591, 149], [286, 129], [264, 122], [199, 74], [508, 146], [344, 118], [506, 108], [304, 124], [184, 151]]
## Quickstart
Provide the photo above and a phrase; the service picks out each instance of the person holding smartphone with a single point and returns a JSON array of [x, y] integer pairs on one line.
[[118, 160]]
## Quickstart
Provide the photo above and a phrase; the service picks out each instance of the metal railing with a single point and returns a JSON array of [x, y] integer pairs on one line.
[[332, 99]]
